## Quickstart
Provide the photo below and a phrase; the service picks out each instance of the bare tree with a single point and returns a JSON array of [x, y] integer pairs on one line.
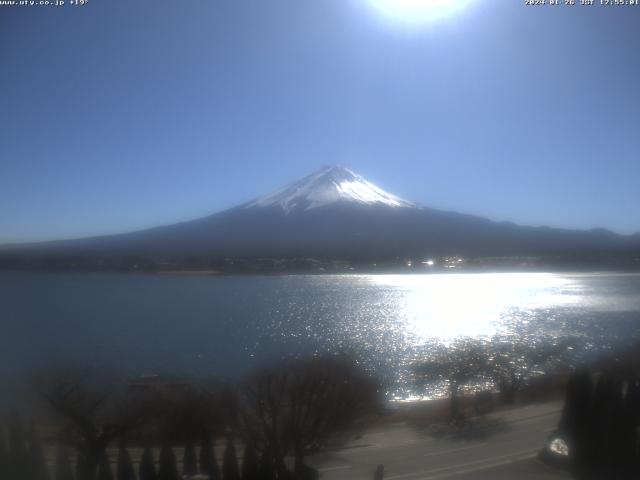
[[93, 413], [457, 365], [300, 407], [190, 413], [514, 359]]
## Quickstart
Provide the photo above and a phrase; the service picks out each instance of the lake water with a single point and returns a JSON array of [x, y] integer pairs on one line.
[[227, 326]]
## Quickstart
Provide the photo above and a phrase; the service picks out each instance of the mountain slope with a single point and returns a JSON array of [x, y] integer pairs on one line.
[[335, 213]]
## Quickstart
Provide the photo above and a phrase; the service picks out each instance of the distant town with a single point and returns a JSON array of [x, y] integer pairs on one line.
[[209, 265]]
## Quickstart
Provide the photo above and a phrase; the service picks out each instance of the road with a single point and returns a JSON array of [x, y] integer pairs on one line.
[[504, 448]]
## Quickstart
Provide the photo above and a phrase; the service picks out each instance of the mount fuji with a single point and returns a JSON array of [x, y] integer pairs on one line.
[[326, 186], [334, 214]]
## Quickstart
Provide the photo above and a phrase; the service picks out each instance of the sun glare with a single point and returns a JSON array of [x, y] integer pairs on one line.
[[418, 11], [447, 306]]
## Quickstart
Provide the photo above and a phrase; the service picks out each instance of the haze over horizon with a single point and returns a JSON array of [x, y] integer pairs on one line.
[[512, 113]]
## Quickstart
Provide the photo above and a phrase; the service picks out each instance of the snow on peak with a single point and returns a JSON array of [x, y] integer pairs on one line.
[[329, 185]]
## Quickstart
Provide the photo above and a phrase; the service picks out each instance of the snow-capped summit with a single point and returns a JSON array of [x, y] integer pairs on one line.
[[293, 226], [326, 186]]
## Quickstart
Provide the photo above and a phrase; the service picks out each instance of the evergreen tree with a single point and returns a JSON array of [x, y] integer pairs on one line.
[[600, 421], [576, 421], [208, 462], [147, 470], [190, 461], [633, 400], [63, 469], [104, 467], [230, 462], [125, 465], [168, 469], [250, 464], [598, 427], [621, 432]]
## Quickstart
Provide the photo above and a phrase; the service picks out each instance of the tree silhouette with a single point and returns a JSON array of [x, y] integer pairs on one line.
[[125, 469], [267, 466], [512, 359], [295, 409], [208, 462], [190, 462], [230, 462], [601, 420], [63, 469], [147, 468], [17, 464], [168, 469], [37, 466], [104, 467], [250, 464], [92, 412], [81, 468], [4, 456], [187, 411], [457, 365]]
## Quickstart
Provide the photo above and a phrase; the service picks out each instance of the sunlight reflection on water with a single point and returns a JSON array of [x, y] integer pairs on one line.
[[390, 322], [454, 305], [228, 326]]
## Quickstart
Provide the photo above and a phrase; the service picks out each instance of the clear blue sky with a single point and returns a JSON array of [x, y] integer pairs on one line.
[[125, 114]]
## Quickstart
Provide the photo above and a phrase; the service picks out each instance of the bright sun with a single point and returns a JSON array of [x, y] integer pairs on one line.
[[411, 11]]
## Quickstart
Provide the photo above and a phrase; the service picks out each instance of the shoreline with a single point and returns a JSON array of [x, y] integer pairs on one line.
[[352, 273]]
